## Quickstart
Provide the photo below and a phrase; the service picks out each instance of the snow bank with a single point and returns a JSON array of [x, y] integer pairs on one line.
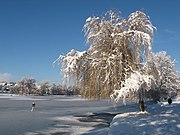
[[161, 119]]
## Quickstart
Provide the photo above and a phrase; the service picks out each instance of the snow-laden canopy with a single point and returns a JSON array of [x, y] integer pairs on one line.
[[137, 83], [117, 46], [167, 77]]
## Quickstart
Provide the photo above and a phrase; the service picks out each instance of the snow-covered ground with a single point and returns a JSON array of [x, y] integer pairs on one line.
[[75, 116], [160, 119]]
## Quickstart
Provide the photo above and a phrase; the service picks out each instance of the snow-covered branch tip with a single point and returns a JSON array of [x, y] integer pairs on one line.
[[58, 60]]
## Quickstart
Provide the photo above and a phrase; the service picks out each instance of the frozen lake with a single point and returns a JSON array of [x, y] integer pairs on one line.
[[53, 115]]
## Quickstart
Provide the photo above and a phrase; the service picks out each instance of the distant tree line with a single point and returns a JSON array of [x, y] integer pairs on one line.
[[28, 86]]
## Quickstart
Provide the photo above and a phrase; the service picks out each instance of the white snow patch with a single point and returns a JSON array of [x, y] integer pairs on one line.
[[88, 19], [72, 99], [26, 98], [17, 97], [161, 119]]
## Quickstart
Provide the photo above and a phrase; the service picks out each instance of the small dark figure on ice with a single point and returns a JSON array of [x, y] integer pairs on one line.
[[142, 107], [33, 107], [169, 100]]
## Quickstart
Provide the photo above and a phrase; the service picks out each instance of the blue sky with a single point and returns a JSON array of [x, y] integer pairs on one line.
[[34, 32]]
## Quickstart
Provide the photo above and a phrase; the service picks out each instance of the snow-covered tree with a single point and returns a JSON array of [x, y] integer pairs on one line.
[[27, 86], [164, 79], [167, 78], [118, 46], [58, 90], [44, 88]]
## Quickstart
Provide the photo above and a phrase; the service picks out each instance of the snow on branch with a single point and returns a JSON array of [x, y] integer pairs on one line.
[[137, 84], [69, 62]]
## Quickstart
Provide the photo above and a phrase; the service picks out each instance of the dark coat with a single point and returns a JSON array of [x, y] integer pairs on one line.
[[169, 100]]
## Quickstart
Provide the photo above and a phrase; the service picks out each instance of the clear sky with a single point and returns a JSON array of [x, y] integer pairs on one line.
[[34, 32]]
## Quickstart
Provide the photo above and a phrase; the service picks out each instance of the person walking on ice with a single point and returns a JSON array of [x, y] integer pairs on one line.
[[33, 107]]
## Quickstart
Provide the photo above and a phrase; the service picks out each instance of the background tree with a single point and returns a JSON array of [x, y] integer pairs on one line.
[[54, 90], [44, 88], [15, 89], [27, 86], [58, 90], [21, 87], [167, 78]]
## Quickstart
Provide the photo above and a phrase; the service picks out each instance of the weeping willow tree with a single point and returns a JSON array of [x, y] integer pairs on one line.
[[117, 47]]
